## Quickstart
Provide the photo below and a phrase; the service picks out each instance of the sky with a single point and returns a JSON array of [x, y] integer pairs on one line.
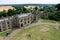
[[29, 2]]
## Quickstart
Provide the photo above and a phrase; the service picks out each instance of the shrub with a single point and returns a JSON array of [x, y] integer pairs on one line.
[[5, 33]]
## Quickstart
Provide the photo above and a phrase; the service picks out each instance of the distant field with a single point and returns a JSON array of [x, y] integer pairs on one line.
[[10, 7], [5, 8], [29, 7]]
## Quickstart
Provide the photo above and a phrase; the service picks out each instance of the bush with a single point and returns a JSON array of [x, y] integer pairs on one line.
[[5, 33], [55, 16]]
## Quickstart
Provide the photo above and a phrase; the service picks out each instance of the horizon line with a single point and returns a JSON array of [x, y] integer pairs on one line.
[[17, 4]]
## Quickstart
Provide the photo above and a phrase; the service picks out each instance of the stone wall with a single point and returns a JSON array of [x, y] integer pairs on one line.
[[16, 22]]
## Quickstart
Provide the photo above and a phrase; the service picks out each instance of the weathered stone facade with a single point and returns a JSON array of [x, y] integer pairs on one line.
[[17, 21]]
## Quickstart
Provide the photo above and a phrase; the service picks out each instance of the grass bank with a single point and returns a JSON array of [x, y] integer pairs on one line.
[[48, 21], [38, 32]]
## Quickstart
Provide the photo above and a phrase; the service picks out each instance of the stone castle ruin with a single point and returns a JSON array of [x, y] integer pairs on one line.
[[17, 21]]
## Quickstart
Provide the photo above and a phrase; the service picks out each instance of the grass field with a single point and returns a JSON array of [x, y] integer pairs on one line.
[[48, 21], [5, 8], [38, 32]]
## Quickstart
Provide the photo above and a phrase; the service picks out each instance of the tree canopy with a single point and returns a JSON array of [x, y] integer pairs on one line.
[[58, 6]]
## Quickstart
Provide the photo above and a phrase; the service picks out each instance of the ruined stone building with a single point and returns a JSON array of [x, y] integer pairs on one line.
[[17, 21]]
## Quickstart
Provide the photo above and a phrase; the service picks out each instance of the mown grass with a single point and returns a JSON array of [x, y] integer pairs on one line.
[[48, 21], [38, 32]]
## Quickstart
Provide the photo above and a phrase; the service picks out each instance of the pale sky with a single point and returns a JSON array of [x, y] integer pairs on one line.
[[29, 2]]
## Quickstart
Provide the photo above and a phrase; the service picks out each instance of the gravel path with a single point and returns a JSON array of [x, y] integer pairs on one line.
[[17, 30]]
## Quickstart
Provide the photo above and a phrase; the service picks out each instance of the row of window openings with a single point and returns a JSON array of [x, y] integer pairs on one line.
[[25, 19], [5, 23], [3, 29], [22, 20], [26, 22]]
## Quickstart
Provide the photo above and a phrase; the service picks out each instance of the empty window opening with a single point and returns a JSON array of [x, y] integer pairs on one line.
[[7, 22], [0, 28], [21, 25], [28, 21], [24, 22]]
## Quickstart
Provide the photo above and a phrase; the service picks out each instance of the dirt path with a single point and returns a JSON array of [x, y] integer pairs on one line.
[[17, 30]]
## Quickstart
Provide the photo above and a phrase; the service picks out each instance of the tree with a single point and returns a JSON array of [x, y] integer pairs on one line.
[[11, 12], [55, 16], [21, 9], [35, 8], [58, 6], [0, 14], [3, 13], [24, 10]]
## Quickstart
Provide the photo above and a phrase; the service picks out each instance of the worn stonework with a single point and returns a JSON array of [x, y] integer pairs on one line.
[[17, 21]]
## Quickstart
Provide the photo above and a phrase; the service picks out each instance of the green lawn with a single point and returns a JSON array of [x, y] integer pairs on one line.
[[48, 21], [4, 33], [38, 32]]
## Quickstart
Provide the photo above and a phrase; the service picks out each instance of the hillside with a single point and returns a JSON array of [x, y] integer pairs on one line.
[[40, 31]]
